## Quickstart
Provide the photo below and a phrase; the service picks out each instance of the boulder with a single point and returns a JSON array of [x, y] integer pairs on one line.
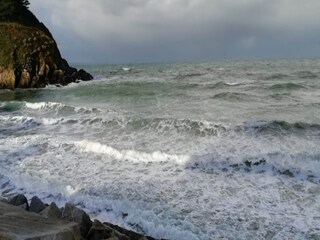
[[52, 211], [36, 205], [19, 200], [83, 75], [100, 231], [74, 214], [16, 223], [131, 234]]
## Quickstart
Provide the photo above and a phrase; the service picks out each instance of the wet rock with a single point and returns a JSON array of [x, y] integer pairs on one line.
[[260, 162], [52, 211], [19, 200], [83, 75], [131, 234], [101, 231], [36, 205], [74, 214], [287, 172]]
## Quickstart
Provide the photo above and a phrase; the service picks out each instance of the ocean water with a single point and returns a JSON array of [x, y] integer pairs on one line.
[[220, 150]]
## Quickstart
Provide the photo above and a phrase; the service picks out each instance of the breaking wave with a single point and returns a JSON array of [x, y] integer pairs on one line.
[[130, 155]]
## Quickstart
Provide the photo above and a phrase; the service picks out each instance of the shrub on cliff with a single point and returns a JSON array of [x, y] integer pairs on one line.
[[12, 9]]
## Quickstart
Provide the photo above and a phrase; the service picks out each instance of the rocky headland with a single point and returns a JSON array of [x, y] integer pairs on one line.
[[35, 220], [30, 58], [29, 55]]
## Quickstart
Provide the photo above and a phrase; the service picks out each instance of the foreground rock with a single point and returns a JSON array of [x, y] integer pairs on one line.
[[74, 214], [16, 223], [29, 56], [53, 223]]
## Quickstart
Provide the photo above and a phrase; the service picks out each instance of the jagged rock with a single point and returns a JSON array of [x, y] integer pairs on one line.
[[74, 214], [100, 231], [83, 75], [131, 234], [36, 205], [52, 211], [19, 200], [16, 223]]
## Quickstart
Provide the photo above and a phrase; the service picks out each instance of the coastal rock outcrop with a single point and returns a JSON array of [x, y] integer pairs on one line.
[[67, 223], [74, 214], [29, 56]]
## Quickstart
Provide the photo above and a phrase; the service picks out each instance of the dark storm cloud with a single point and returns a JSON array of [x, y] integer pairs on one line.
[[169, 30]]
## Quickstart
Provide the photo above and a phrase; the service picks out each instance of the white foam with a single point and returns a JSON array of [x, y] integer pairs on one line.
[[44, 105], [51, 121], [232, 83], [131, 155], [163, 199], [16, 119], [28, 120]]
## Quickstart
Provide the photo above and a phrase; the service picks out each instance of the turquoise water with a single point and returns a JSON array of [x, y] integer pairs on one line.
[[177, 151]]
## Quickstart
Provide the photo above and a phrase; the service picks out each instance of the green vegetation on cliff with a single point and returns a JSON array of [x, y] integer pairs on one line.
[[28, 49], [29, 56]]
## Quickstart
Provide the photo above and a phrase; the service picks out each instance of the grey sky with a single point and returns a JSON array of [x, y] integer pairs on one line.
[[124, 31]]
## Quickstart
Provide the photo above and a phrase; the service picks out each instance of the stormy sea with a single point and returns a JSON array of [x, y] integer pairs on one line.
[[209, 150]]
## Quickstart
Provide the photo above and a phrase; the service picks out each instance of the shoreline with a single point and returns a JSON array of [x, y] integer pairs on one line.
[[34, 219]]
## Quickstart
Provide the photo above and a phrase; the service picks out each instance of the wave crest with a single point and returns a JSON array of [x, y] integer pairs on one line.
[[130, 155]]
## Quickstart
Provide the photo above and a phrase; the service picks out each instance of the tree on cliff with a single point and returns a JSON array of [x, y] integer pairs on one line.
[[25, 3], [13, 9]]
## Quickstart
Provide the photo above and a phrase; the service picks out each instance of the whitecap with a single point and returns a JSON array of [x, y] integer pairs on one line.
[[130, 154], [44, 105]]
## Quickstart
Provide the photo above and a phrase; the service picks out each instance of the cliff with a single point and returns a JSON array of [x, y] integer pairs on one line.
[[29, 56]]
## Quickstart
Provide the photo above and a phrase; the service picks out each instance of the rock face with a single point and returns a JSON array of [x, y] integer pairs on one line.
[[29, 56]]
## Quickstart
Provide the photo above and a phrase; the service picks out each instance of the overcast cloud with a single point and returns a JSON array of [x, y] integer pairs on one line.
[[124, 31]]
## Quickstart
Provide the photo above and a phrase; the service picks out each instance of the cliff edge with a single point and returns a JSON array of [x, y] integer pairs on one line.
[[29, 55]]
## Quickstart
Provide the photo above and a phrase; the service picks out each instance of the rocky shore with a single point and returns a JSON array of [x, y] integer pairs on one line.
[[35, 220], [29, 55]]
